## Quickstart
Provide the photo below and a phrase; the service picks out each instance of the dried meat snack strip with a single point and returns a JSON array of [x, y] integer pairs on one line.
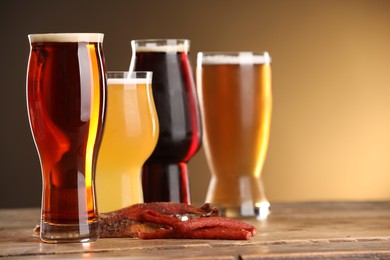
[[155, 217], [210, 222], [157, 234], [218, 233], [165, 208], [158, 220], [198, 228]]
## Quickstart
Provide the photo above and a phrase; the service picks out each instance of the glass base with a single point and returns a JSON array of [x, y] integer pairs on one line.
[[54, 233], [260, 211]]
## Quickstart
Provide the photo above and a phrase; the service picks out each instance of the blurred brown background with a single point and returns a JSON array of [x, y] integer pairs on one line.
[[330, 136]]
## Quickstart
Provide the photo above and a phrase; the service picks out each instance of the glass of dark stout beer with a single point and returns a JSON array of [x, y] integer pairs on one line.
[[236, 102], [164, 174], [66, 82]]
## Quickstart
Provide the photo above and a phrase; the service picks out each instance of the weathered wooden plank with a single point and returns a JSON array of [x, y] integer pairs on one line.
[[296, 230]]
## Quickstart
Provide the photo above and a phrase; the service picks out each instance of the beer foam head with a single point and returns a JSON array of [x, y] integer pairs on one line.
[[161, 45], [127, 78], [66, 37], [234, 58], [128, 81]]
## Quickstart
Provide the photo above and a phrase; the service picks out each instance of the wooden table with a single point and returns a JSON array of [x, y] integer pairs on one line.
[[291, 231]]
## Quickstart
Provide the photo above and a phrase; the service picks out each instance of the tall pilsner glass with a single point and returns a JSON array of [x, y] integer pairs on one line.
[[236, 102], [66, 84], [130, 135], [164, 175]]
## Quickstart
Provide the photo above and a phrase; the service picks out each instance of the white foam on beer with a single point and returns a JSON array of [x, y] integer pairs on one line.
[[238, 58], [170, 46], [128, 81], [66, 37]]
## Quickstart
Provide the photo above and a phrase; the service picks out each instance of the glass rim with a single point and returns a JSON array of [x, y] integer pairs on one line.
[[160, 45], [126, 77], [234, 57], [161, 40], [66, 37]]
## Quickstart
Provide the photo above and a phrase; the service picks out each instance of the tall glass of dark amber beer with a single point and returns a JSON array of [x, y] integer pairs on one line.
[[235, 97], [164, 174], [66, 82]]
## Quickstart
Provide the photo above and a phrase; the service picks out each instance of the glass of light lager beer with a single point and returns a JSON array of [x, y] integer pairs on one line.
[[130, 136], [236, 102], [66, 84]]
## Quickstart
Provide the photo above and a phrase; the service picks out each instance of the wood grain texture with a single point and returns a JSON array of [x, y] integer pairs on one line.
[[291, 231]]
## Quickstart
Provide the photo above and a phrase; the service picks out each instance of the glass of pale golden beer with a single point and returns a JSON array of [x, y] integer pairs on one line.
[[66, 82], [236, 102], [130, 135]]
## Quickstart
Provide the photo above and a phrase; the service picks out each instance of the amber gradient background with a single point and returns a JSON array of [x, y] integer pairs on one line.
[[330, 136]]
